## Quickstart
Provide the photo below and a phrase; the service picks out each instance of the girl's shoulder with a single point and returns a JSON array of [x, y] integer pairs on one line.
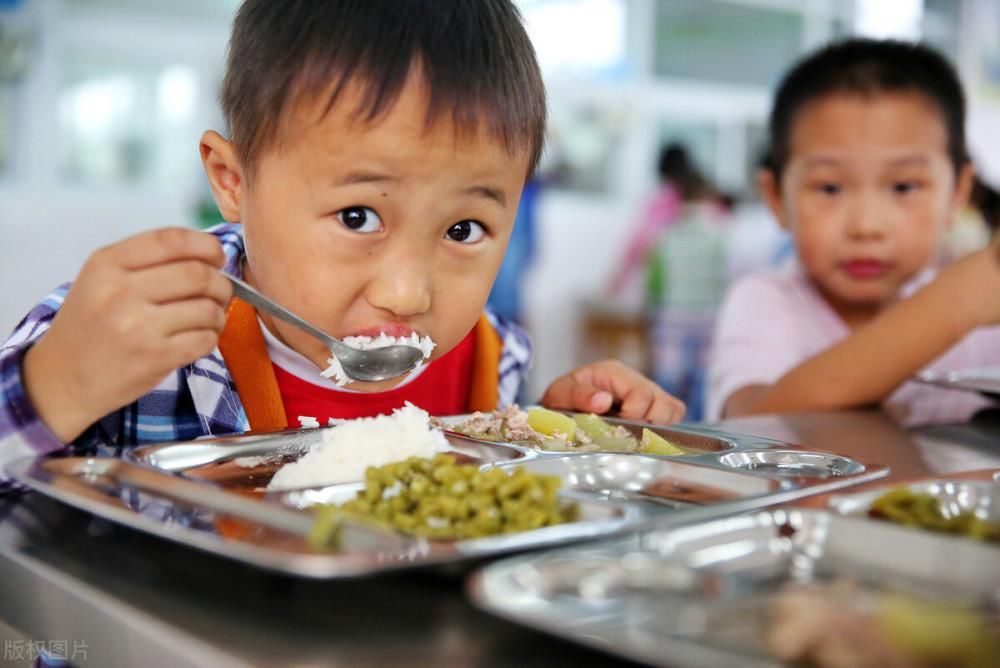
[[784, 284]]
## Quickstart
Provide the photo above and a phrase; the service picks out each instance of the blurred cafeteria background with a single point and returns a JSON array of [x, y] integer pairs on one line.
[[102, 103]]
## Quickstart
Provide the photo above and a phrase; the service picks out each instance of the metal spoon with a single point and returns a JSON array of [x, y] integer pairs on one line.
[[363, 365]]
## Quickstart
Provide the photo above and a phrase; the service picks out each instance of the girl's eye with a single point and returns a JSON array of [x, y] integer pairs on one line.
[[360, 219], [828, 188], [905, 187], [466, 232]]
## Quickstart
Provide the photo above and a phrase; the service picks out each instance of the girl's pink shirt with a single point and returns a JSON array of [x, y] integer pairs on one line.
[[771, 322]]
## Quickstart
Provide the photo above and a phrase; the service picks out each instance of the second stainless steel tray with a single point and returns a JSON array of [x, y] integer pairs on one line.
[[701, 595]]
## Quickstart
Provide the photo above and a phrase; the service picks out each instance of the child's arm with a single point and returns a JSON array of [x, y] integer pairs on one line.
[[595, 388], [138, 310], [872, 362]]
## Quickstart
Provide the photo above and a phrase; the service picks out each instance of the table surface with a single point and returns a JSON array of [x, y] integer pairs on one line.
[[120, 598]]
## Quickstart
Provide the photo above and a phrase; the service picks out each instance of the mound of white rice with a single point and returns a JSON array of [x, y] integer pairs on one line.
[[335, 371], [350, 448]]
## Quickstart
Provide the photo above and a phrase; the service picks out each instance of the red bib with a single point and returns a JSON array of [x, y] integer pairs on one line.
[[441, 389], [464, 379]]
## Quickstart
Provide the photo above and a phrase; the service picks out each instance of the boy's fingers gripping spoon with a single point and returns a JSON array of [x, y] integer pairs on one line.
[[362, 365]]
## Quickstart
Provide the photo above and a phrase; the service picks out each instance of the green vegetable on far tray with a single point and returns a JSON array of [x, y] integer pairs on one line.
[[916, 509]]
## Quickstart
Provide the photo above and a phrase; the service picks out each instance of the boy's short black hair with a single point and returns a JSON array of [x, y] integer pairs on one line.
[[868, 67], [477, 59]]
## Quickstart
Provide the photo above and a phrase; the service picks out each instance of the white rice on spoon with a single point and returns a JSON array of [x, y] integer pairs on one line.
[[335, 371]]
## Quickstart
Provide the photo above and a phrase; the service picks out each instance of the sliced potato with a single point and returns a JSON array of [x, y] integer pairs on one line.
[[654, 444], [617, 443], [551, 423], [593, 426]]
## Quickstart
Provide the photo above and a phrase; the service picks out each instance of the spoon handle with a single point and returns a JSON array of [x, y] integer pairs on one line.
[[251, 296]]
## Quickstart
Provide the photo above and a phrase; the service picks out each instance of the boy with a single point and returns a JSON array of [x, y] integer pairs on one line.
[[868, 167], [377, 154]]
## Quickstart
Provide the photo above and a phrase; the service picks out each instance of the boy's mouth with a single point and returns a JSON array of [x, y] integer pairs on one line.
[[396, 330], [865, 268]]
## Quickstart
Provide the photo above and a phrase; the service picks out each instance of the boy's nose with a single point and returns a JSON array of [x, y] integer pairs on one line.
[[401, 286]]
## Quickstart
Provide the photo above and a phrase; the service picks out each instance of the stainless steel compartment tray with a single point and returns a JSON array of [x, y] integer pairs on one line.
[[712, 447], [700, 595], [616, 494], [267, 533], [247, 462], [692, 438]]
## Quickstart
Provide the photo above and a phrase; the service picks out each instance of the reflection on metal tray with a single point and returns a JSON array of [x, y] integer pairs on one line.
[[979, 497], [985, 381], [793, 463], [702, 595], [247, 462]]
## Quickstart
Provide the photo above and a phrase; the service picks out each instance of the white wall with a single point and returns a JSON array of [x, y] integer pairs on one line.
[[579, 244], [46, 236]]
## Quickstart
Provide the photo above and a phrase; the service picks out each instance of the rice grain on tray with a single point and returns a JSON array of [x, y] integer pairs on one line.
[[354, 445]]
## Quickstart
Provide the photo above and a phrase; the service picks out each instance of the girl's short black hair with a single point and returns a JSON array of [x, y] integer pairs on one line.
[[475, 54], [868, 67]]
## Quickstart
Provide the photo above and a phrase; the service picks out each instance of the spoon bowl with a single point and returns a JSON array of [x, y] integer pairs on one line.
[[362, 365]]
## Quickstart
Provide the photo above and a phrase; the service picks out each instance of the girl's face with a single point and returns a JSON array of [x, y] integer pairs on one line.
[[867, 192]]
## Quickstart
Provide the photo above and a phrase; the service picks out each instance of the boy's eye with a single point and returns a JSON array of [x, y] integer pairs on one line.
[[905, 187], [360, 219], [466, 232]]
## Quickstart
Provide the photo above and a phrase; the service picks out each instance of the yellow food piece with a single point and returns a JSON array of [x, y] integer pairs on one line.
[[593, 426], [937, 632], [654, 444], [617, 443], [552, 423]]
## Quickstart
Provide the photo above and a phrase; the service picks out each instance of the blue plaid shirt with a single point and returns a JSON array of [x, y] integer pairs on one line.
[[199, 399]]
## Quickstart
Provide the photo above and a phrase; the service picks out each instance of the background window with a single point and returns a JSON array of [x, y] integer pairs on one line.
[[704, 40]]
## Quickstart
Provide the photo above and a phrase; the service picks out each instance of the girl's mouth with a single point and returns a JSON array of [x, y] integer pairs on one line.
[[865, 269]]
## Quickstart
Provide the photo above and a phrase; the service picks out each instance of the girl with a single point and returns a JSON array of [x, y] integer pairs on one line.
[[867, 169]]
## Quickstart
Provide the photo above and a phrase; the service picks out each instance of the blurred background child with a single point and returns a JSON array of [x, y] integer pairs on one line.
[[679, 248], [868, 170]]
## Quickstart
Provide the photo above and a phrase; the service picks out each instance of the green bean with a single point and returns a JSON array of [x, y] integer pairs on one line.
[[923, 511], [441, 499]]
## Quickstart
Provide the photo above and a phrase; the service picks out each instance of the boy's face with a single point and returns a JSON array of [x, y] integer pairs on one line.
[[364, 228], [867, 192]]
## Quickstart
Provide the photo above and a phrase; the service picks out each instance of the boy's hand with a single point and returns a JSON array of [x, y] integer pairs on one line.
[[138, 310], [596, 387]]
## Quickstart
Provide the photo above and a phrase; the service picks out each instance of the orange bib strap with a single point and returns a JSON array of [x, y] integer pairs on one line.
[[484, 393], [245, 353]]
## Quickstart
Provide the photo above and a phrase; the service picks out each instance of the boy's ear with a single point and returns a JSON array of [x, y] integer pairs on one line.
[[770, 191], [225, 174]]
